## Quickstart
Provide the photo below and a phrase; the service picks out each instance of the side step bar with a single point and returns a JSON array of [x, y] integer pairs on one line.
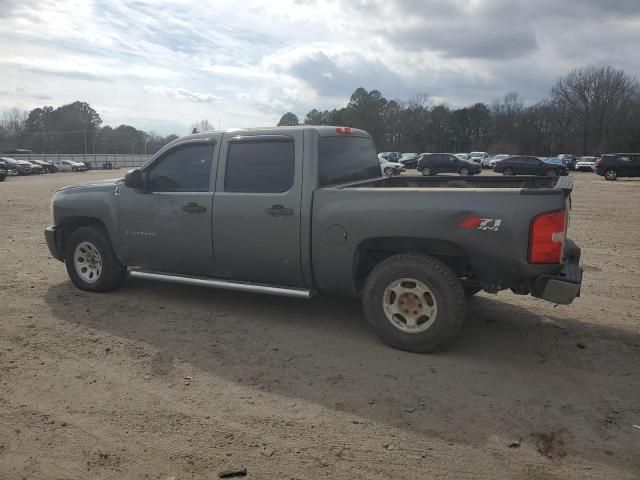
[[224, 284]]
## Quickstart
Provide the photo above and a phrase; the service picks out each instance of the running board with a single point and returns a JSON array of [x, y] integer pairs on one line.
[[224, 284]]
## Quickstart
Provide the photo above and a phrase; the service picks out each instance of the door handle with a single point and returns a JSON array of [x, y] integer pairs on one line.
[[278, 211], [194, 208]]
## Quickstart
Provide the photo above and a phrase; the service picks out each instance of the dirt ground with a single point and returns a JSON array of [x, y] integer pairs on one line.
[[163, 381]]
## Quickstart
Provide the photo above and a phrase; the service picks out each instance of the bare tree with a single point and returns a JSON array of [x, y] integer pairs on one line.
[[597, 98], [13, 122], [201, 126]]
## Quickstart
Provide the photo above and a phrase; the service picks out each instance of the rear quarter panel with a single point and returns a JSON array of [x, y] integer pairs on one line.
[[497, 258]]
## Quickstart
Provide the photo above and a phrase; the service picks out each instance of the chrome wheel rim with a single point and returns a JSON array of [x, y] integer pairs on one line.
[[611, 174], [87, 262], [388, 171], [409, 305], [464, 172], [426, 172]]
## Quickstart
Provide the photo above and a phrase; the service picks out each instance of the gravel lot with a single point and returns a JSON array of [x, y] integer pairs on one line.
[[161, 381]]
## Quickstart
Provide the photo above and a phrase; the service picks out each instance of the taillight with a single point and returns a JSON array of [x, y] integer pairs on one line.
[[598, 162], [344, 130], [546, 237]]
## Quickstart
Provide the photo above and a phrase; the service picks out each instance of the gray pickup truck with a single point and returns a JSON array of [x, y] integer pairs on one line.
[[299, 210]]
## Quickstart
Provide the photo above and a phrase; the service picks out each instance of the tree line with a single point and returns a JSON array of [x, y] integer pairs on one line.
[[73, 128], [592, 110]]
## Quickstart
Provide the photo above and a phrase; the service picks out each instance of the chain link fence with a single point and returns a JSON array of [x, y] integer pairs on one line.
[[94, 161]]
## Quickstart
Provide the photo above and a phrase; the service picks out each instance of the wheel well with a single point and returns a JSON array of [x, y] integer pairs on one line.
[[71, 224], [372, 251]]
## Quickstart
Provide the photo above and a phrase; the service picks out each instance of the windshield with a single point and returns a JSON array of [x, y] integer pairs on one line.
[[346, 159]]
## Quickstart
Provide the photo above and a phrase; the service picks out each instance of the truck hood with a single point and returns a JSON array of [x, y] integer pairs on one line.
[[94, 184]]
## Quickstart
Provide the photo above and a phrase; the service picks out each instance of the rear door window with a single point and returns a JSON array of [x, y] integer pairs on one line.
[[260, 166]]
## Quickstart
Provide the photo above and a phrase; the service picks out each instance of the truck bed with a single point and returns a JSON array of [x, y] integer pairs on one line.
[[471, 182], [428, 214]]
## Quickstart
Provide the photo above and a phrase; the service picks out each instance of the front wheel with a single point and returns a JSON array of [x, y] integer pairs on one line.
[[414, 302], [427, 171], [464, 171], [91, 262], [611, 174], [388, 171], [552, 173], [508, 172]]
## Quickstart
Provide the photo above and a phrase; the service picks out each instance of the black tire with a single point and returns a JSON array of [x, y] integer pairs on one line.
[[552, 173], [113, 272], [2, 178], [447, 292], [611, 174], [427, 171], [463, 172], [508, 172], [388, 171], [471, 291]]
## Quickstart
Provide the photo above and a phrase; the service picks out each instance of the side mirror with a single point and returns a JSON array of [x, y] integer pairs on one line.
[[133, 179]]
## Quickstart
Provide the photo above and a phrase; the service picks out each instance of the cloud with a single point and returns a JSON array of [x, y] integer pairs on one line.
[[270, 56], [182, 94]]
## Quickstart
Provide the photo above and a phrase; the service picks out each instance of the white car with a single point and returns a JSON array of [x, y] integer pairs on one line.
[[69, 166], [390, 168], [491, 162], [586, 164], [461, 156], [477, 157]]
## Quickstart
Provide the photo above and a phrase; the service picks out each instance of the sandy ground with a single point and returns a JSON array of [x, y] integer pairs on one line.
[[161, 381]]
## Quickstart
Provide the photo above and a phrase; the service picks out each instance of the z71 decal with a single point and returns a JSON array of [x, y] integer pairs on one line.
[[481, 223]]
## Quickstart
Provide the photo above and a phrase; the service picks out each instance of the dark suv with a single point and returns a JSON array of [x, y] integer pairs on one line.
[[434, 163], [614, 165]]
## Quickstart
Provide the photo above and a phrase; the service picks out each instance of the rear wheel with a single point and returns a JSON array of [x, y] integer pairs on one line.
[[552, 173], [611, 174], [414, 302], [507, 172], [471, 291], [91, 262]]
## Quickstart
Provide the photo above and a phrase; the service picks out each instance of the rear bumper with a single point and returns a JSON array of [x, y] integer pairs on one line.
[[563, 287], [53, 242]]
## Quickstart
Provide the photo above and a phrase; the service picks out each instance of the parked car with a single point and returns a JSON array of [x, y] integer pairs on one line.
[[48, 167], [527, 165], [614, 165], [293, 221], [461, 156], [36, 168], [8, 167], [568, 160], [477, 157], [69, 166], [390, 168], [434, 163], [491, 162], [390, 156], [21, 167], [586, 164], [4, 171], [409, 160]]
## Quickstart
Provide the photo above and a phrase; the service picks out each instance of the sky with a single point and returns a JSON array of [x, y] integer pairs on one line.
[[163, 65]]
